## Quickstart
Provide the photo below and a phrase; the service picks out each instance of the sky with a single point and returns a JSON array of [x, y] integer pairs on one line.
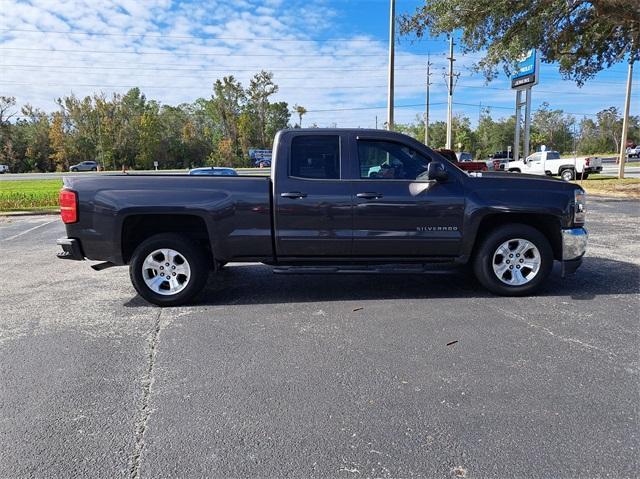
[[329, 56]]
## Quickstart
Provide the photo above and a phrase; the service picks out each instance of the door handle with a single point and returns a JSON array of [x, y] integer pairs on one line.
[[294, 195], [370, 196]]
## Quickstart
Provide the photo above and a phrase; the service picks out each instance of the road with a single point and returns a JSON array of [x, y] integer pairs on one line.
[[320, 376], [59, 175], [629, 171]]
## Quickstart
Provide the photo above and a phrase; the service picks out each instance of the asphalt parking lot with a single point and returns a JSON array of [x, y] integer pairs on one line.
[[320, 376]]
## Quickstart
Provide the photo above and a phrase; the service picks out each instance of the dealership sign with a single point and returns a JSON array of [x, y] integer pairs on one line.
[[527, 70], [256, 154]]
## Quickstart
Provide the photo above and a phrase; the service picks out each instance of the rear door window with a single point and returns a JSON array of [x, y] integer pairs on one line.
[[315, 157]]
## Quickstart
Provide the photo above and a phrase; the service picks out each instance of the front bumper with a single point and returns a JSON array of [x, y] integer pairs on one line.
[[574, 246], [71, 249], [574, 243]]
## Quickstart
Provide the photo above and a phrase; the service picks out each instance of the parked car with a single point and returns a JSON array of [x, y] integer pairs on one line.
[[549, 163], [321, 212], [85, 166], [4, 169], [633, 151], [464, 165], [214, 171]]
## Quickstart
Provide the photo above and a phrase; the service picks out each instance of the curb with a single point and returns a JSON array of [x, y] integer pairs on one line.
[[29, 213]]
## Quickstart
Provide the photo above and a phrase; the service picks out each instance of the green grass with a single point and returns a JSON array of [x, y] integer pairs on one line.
[[29, 195], [582, 155], [610, 185]]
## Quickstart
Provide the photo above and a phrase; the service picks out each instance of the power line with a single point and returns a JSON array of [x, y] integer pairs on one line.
[[323, 87], [204, 36], [93, 85], [413, 105], [223, 69], [217, 54]]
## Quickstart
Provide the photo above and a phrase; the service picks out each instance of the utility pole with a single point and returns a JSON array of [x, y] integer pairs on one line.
[[392, 39], [625, 123], [450, 85], [426, 113]]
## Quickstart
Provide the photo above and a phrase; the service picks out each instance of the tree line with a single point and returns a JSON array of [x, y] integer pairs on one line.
[[554, 129], [129, 130]]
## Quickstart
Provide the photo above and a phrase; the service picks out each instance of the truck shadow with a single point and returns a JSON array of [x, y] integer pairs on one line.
[[243, 284]]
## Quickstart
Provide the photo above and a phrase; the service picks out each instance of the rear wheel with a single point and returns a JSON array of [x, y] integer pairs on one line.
[[584, 176], [168, 269], [568, 174], [74, 170], [514, 260]]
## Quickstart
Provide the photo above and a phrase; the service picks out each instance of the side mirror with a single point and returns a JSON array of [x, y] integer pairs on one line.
[[436, 171]]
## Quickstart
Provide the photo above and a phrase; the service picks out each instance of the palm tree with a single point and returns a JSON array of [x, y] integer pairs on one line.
[[300, 110]]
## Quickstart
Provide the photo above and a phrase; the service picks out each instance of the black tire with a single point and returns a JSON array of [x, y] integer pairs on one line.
[[568, 174], [74, 170], [483, 262], [194, 256], [94, 169], [584, 176]]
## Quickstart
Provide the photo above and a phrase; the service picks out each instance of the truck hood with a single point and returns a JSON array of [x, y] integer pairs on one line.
[[521, 181]]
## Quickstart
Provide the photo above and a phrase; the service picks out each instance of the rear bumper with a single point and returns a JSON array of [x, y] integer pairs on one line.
[[593, 169], [71, 249]]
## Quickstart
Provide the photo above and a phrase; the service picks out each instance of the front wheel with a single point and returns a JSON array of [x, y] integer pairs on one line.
[[514, 260], [168, 269]]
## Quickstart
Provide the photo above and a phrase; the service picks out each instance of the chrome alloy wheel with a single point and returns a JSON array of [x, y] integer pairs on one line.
[[516, 262], [166, 271]]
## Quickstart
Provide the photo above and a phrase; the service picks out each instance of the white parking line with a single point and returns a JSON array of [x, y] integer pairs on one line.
[[29, 230]]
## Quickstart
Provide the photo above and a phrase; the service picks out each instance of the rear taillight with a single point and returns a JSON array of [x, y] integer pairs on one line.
[[587, 161], [68, 206]]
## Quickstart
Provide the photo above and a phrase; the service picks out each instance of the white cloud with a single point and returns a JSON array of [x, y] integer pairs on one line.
[[175, 50]]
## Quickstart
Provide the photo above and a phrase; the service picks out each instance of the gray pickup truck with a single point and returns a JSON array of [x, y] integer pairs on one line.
[[337, 201]]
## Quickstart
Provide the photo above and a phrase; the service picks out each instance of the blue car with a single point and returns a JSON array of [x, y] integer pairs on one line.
[[214, 171]]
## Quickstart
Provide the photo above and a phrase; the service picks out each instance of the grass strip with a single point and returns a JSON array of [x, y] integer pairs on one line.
[[28, 195]]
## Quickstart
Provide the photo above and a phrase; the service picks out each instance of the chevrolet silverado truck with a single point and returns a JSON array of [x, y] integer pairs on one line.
[[337, 201], [549, 163]]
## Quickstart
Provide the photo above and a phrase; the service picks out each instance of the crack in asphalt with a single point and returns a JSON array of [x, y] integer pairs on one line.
[[145, 411], [577, 342]]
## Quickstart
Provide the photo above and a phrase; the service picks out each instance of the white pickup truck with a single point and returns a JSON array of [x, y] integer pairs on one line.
[[549, 163]]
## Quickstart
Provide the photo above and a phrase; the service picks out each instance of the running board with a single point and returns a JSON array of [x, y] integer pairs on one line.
[[370, 269], [102, 266]]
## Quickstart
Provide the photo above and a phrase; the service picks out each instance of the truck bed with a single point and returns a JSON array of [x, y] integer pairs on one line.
[[235, 210]]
